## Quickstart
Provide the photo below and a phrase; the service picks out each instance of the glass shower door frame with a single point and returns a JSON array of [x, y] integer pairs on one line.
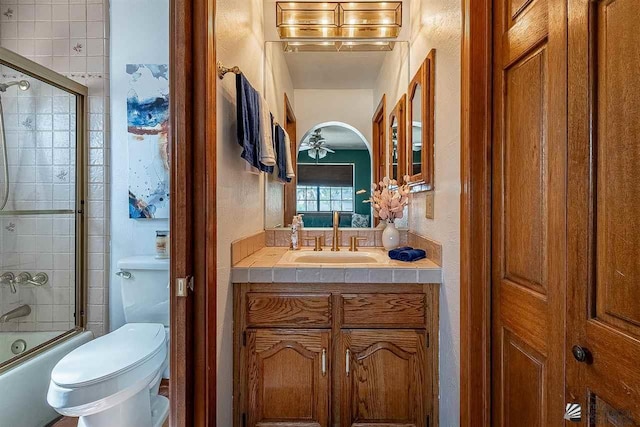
[[39, 72]]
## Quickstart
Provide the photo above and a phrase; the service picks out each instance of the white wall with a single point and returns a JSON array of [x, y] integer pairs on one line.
[[140, 36], [277, 83], [394, 77], [241, 195], [316, 106], [440, 26]]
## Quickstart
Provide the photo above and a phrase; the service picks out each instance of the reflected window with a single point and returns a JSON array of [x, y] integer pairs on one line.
[[325, 199]]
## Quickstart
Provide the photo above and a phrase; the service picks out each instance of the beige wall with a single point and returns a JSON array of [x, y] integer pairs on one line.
[[241, 200], [438, 24]]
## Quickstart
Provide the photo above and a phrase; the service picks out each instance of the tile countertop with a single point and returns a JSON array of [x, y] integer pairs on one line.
[[269, 265]]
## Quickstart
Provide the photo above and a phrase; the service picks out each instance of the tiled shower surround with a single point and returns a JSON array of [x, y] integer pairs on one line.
[[70, 37]]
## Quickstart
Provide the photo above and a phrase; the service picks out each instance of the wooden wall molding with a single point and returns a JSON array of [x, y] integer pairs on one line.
[[475, 224]]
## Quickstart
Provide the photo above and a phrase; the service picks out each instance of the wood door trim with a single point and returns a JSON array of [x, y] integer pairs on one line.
[[193, 136], [475, 220], [290, 188], [379, 147]]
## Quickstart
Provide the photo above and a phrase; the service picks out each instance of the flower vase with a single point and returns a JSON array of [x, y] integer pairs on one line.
[[390, 237]]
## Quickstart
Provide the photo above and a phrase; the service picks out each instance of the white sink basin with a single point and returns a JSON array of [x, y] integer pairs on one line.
[[342, 257]]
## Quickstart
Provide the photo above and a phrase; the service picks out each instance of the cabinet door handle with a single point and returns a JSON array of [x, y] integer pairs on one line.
[[324, 362], [347, 361]]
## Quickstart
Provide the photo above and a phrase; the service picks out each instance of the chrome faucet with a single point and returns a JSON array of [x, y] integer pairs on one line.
[[22, 311], [335, 245]]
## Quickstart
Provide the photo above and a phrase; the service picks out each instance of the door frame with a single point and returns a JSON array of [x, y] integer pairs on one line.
[[290, 188], [475, 216], [193, 178]]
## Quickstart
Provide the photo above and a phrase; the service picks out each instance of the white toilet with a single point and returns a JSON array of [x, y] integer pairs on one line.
[[114, 380]]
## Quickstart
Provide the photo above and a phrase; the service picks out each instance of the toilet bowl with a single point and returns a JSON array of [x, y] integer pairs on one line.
[[114, 380]]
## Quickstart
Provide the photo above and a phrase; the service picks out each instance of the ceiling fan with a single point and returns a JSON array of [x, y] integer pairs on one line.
[[315, 147]]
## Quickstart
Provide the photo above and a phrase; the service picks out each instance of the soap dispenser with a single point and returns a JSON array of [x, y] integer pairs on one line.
[[295, 227]]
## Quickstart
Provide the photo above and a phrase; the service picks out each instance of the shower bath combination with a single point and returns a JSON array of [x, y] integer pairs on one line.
[[22, 85]]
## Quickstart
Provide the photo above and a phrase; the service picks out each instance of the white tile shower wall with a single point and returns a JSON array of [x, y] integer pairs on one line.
[[70, 37]]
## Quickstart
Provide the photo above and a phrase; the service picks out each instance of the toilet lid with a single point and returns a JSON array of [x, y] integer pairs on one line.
[[110, 355]]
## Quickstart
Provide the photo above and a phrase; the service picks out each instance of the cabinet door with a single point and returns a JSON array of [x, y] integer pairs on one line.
[[383, 378], [288, 378]]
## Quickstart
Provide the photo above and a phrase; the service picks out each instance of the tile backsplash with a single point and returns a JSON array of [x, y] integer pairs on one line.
[[71, 37]]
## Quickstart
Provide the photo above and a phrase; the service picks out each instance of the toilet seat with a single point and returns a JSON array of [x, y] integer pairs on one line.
[[108, 370]]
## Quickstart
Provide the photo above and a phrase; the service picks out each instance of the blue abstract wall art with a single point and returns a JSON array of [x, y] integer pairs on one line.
[[148, 140]]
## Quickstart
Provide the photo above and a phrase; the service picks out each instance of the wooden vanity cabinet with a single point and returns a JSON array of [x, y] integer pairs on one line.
[[335, 355], [288, 378]]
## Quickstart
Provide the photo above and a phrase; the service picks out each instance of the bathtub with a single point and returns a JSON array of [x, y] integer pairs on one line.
[[23, 401]]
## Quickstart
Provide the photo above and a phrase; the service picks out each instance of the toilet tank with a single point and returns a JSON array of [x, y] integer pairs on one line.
[[145, 289]]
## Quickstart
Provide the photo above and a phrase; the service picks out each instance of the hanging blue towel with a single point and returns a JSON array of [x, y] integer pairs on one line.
[[281, 153], [412, 255], [395, 253], [248, 117]]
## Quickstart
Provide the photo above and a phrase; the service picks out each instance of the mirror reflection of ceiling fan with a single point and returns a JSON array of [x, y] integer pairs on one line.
[[315, 147]]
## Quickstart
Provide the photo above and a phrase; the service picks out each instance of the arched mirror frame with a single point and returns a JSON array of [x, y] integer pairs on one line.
[[399, 114], [424, 78]]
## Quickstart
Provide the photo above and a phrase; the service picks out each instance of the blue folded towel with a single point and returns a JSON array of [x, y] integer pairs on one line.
[[395, 253], [412, 255]]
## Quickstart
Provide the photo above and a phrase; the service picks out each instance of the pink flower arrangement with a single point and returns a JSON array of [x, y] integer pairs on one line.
[[389, 199]]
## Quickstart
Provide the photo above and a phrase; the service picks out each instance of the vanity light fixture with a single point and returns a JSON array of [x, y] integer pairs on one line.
[[338, 46], [307, 20], [339, 20], [370, 20]]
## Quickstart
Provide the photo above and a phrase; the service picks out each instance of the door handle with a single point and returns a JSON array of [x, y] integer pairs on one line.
[[347, 361], [581, 354], [324, 362]]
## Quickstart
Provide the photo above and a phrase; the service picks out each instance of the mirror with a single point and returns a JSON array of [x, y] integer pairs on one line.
[[333, 95], [397, 138], [420, 144], [415, 135]]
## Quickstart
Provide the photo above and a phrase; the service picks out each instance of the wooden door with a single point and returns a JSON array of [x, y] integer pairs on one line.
[[383, 378], [604, 219], [289, 378], [529, 213]]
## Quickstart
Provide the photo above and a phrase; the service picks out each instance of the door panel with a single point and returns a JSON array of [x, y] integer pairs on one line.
[[289, 378], [604, 415], [618, 108], [528, 230], [383, 379], [604, 141], [524, 179], [523, 376]]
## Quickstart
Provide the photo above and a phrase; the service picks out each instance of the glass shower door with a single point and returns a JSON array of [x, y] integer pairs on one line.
[[41, 204]]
